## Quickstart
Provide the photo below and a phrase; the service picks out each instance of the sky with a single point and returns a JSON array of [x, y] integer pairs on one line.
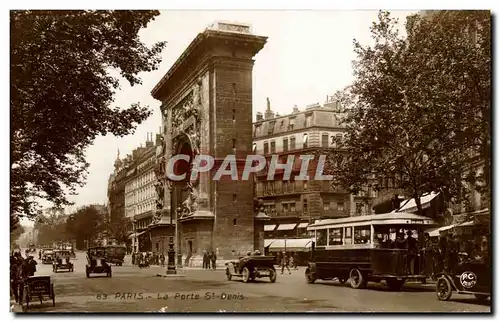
[[307, 57]]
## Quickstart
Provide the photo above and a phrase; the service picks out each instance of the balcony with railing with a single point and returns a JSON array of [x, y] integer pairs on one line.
[[276, 188]]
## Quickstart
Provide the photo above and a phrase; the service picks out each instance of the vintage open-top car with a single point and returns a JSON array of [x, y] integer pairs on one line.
[[469, 272], [251, 267], [96, 262], [47, 256], [62, 261]]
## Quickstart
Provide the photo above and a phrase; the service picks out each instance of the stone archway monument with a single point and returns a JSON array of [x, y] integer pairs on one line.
[[207, 110]]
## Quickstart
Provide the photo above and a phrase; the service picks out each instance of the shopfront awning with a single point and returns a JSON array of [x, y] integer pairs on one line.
[[287, 226], [269, 227], [268, 242], [303, 225], [410, 205], [435, 231], [292, 245], [135, 235]]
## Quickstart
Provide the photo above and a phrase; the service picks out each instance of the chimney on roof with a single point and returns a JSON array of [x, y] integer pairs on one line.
[[269, 114], [159, 139], [259, 116], [295, 109]]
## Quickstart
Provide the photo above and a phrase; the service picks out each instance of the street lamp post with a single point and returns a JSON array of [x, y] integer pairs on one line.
[[285, 244], [135, 236]]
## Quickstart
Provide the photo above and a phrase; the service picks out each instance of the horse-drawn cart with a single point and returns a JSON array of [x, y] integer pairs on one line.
[[39, 287]]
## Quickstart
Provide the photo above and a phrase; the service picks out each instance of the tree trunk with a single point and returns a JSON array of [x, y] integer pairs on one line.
[[420, 211]]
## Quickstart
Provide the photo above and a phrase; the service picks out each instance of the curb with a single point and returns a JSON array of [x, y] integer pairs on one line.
[[16, 308]]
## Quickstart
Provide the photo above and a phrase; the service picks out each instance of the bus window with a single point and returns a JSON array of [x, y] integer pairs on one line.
[[348, 235], [321, 237], [335, 236], [362, 235]]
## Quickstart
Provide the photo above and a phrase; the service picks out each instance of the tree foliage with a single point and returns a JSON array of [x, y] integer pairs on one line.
[[118, 227], [418, 112], [16, 233], [61, 94], [87, 223], [51, 227]]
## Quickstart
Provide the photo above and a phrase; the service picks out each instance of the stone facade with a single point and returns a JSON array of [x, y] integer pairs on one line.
[[302, 132], [207, 109]]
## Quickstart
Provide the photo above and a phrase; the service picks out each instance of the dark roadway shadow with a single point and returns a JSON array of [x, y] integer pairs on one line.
[[471, 300], [381, 287]]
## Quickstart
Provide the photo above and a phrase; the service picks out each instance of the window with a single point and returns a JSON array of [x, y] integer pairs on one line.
[[285, 144], [308, 120], [291, 123], [254, 148], [304, 207], [348, 235], [285, 207], [273, 147], [292, 143], [335, 236], [359, 208], [324, 140], [292, 207], [305, 184], [234, 222], [321, 237], [270, 129], [304, 140], [326, 206], [266, 148], [362, 235], [340, 206]]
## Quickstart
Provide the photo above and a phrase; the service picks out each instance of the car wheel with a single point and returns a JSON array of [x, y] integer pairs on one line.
[[310, 277], [245, 275], [228, 274], [272, 276], [357, 279], [443, 289]]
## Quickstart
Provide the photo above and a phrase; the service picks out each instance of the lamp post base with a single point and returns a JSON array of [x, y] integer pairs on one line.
[[171, 259]]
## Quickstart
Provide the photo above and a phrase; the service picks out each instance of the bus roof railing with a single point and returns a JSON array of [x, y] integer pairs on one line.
[[381, 219]]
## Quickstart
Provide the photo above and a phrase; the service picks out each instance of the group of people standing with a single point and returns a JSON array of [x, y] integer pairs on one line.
[[20, 270], [209, 260], [147, 259]]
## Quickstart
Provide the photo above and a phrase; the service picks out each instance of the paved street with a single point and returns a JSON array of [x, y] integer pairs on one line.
[[137, 290]]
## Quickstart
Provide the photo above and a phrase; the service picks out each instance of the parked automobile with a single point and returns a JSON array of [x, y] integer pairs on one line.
[[96, 262]]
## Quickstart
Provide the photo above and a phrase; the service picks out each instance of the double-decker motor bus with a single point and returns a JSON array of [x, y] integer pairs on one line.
[[373, 248]]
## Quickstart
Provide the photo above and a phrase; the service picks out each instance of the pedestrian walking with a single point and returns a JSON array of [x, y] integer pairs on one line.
[[295, 261], [284, 263], [205, 259], [133, 258], [162, 259], [213, 259]]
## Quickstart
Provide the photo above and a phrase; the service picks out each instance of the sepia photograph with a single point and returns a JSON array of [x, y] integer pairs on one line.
[[244, 161]]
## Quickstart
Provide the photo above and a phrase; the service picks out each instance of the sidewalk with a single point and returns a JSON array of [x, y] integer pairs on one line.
[[15, 307]]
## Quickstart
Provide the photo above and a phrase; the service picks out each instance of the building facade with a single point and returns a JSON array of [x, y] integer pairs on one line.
[[292, 204], [140, 197]]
